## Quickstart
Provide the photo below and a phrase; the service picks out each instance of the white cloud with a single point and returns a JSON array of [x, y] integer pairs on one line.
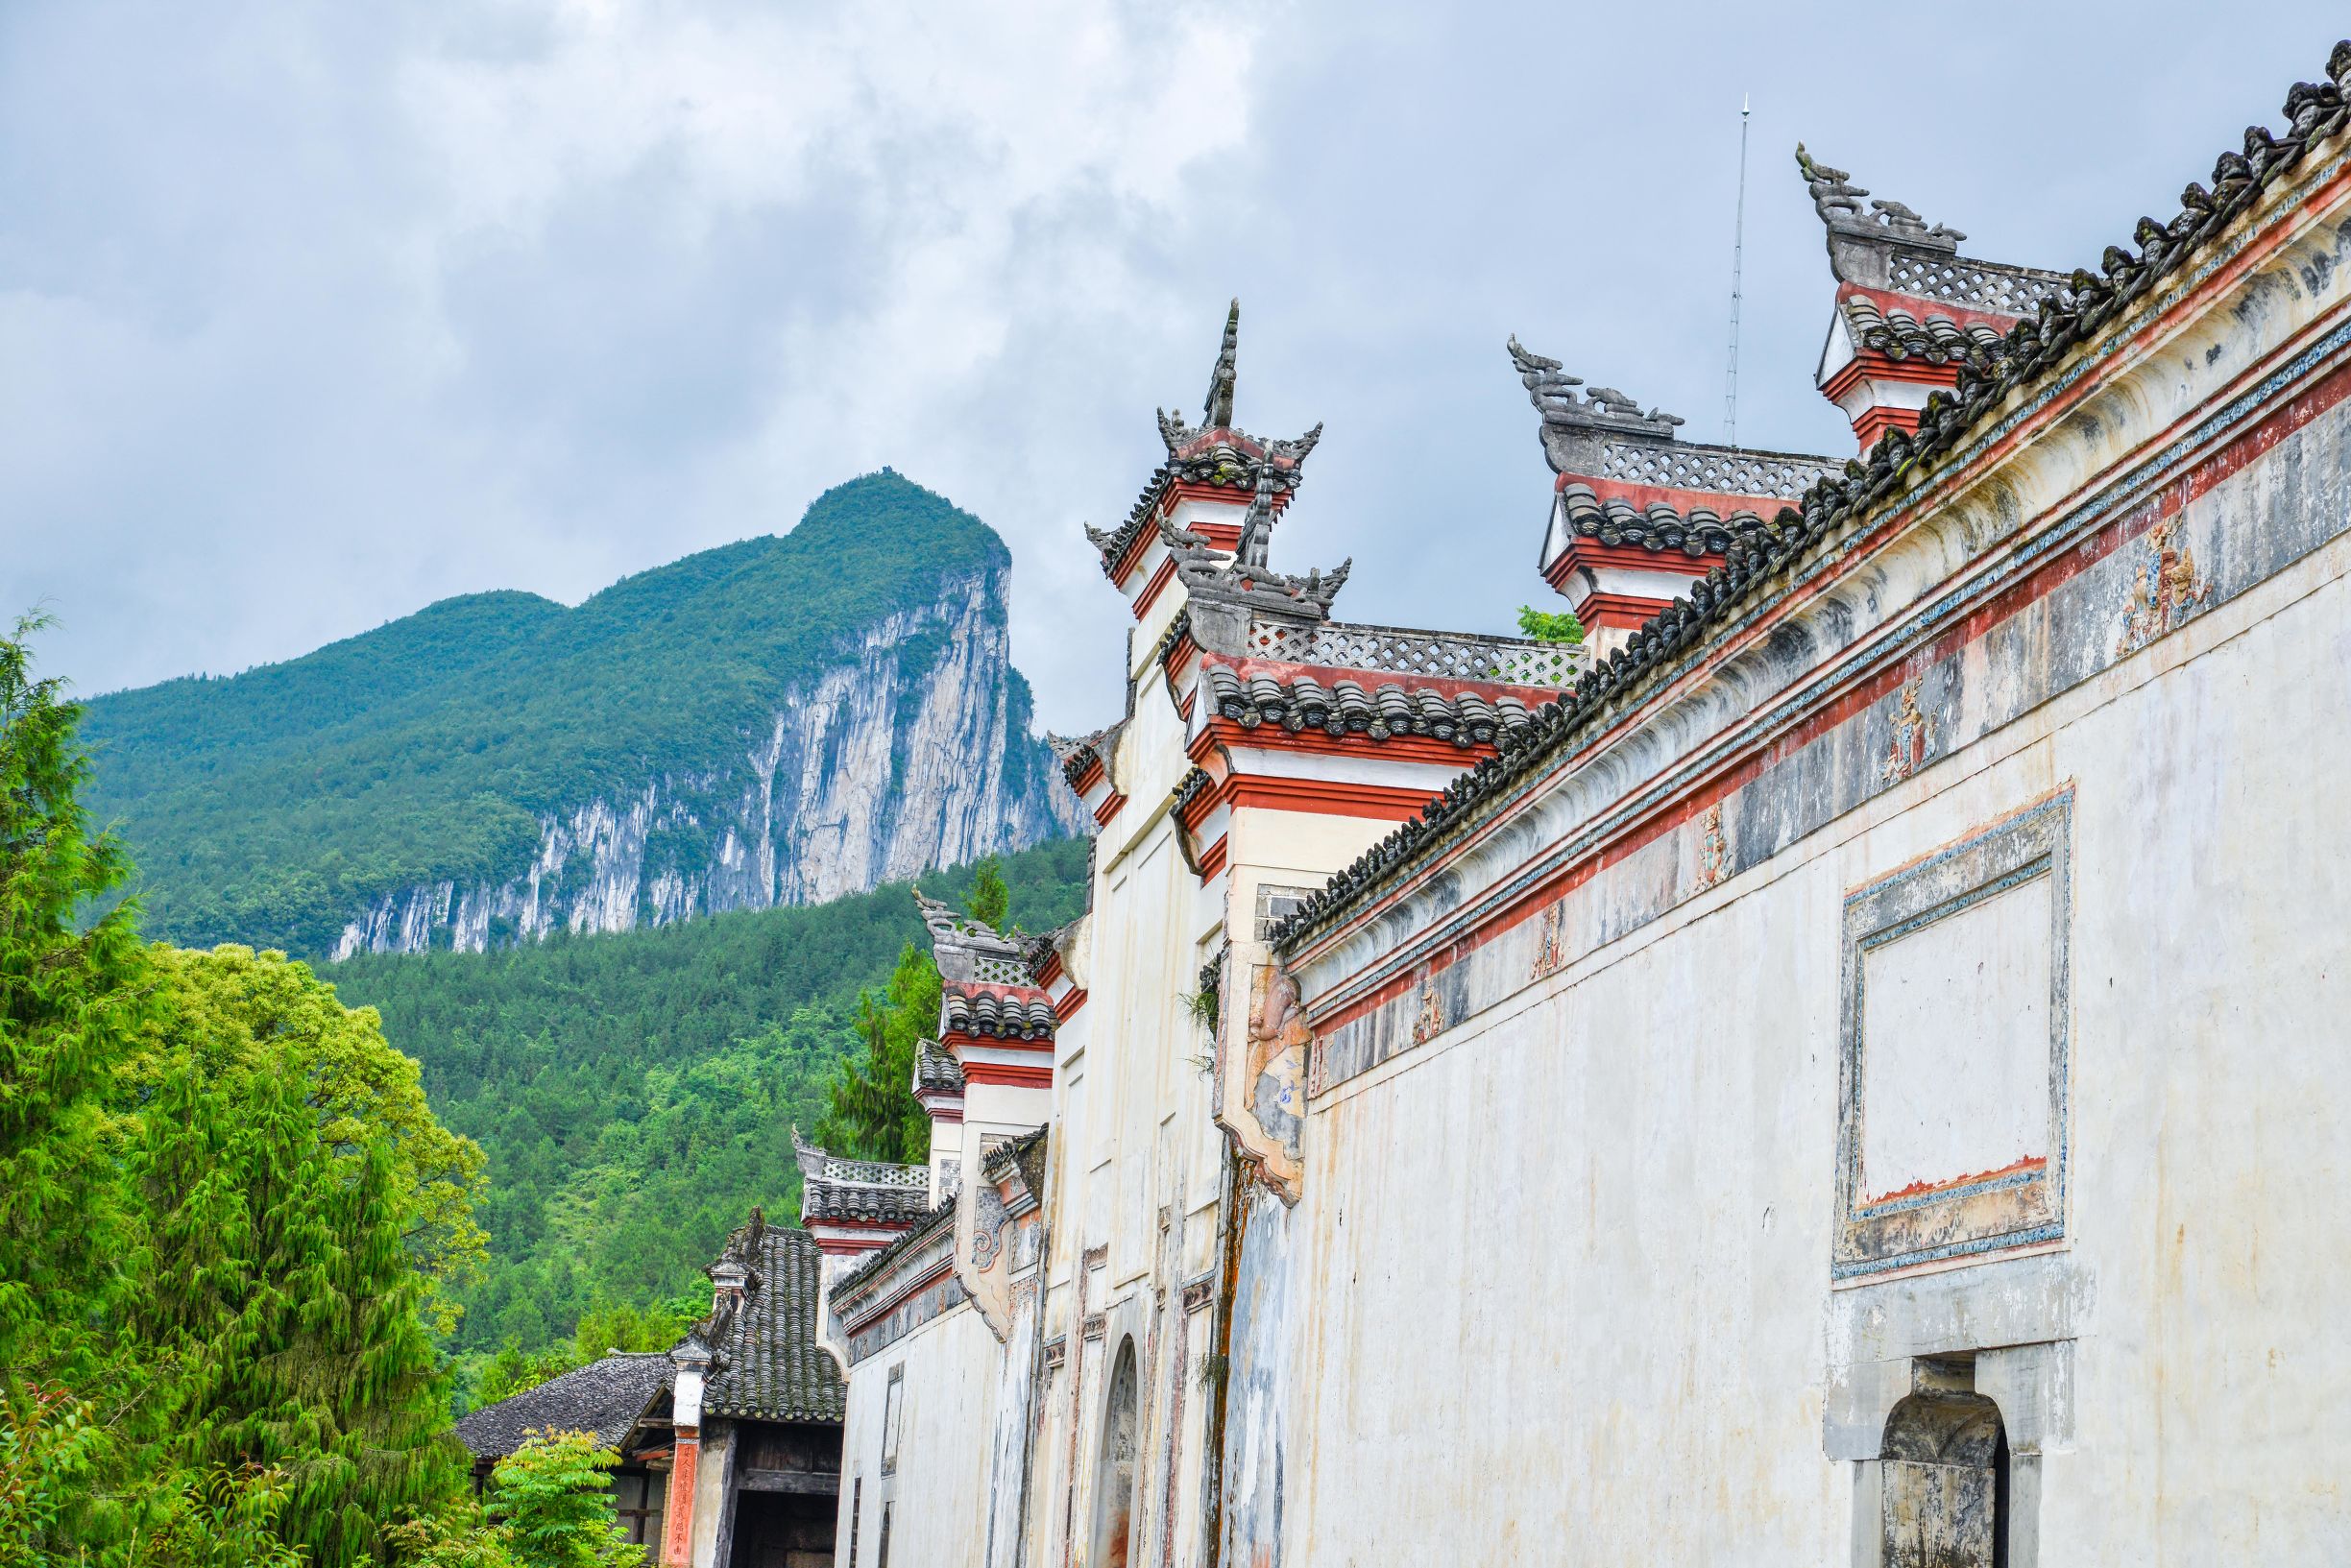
[[311, 315]]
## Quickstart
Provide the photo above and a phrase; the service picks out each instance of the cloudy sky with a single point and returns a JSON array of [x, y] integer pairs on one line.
[[313, 314]]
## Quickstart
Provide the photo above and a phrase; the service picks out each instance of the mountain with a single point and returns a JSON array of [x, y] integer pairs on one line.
[[636, 1092], [779, 721]]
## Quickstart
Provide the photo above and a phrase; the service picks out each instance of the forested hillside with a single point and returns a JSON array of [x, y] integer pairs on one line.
[[776, 721], [635, 1093]]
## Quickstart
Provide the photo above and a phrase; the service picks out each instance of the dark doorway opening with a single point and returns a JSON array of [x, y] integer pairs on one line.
[[783, 1529], [1945, 1482], [1115, 1469]]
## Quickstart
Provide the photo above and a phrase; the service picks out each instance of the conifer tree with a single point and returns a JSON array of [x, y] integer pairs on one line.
[[282, 1290], [71, 998]]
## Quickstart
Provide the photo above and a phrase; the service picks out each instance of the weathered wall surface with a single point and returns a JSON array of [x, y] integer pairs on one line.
[[1584, 1231], [936, 1491], [1259, 1380]]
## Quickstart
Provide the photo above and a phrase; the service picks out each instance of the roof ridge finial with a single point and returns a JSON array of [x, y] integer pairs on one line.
[[1219, 413], [1838, 201]]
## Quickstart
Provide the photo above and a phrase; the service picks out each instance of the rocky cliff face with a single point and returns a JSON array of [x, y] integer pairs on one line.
[[912, 752]]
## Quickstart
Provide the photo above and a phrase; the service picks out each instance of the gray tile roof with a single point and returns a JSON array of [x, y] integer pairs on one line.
[[934, 1069], [833, 1200], [1023, 1013], [603, 1398], [1900, 334], [1694, 530], [1379, 713], [769, 1367]]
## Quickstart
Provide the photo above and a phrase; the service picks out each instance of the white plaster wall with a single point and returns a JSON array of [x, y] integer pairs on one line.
[[1569, 1265], [710, 1492], [940, 1483]]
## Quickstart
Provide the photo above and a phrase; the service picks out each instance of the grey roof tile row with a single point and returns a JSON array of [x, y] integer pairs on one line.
[[768, 1364], [1660, 527], [1016, 1015], [1345, 706], [604, 1398]]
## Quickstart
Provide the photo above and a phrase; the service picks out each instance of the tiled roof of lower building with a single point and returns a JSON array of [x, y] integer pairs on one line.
[[770, 1365], [603, 1399]]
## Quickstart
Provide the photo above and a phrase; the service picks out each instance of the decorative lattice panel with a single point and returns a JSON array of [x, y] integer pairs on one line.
[[875, 1173], [1394, 650], [2010, 291], [1709, 468], [989, 969]]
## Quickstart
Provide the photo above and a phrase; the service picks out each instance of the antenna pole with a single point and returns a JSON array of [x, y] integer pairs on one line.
[[1738, 257]]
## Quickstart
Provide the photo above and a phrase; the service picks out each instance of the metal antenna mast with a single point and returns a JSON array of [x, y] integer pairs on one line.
[[1738, 249]]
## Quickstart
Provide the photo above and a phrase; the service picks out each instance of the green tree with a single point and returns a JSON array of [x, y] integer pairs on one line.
[[72, 997], [281, 1288], [1549, 626], [234, 1010], [547, 1506], [224, 1517], [874, 1114], [550, 1498], [991, 901]]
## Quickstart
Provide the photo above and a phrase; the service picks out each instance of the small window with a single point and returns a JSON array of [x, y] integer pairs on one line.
[[1276, 903], [857, 1515], [890, 1427], [882, 1551]]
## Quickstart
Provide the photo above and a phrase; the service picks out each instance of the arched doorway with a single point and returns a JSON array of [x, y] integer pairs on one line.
[[1114, 1469], [1944, 1483]]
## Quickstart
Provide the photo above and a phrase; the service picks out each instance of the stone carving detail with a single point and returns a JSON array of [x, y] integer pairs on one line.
[[1217, 409], [1838, 201], [1914, 735], [2165, 590], [1430, 1021], [1977, 285], [1550, 941], [1208, 574], [1714, 847], [988, 1225], [1263, 1105], [1692, 467]]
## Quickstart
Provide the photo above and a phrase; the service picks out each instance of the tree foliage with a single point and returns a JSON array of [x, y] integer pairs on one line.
[[233, 1011], [547, 1506], [73, 995], [210, 1317], [283, 1296], [634, 1092], [1550, 625]]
